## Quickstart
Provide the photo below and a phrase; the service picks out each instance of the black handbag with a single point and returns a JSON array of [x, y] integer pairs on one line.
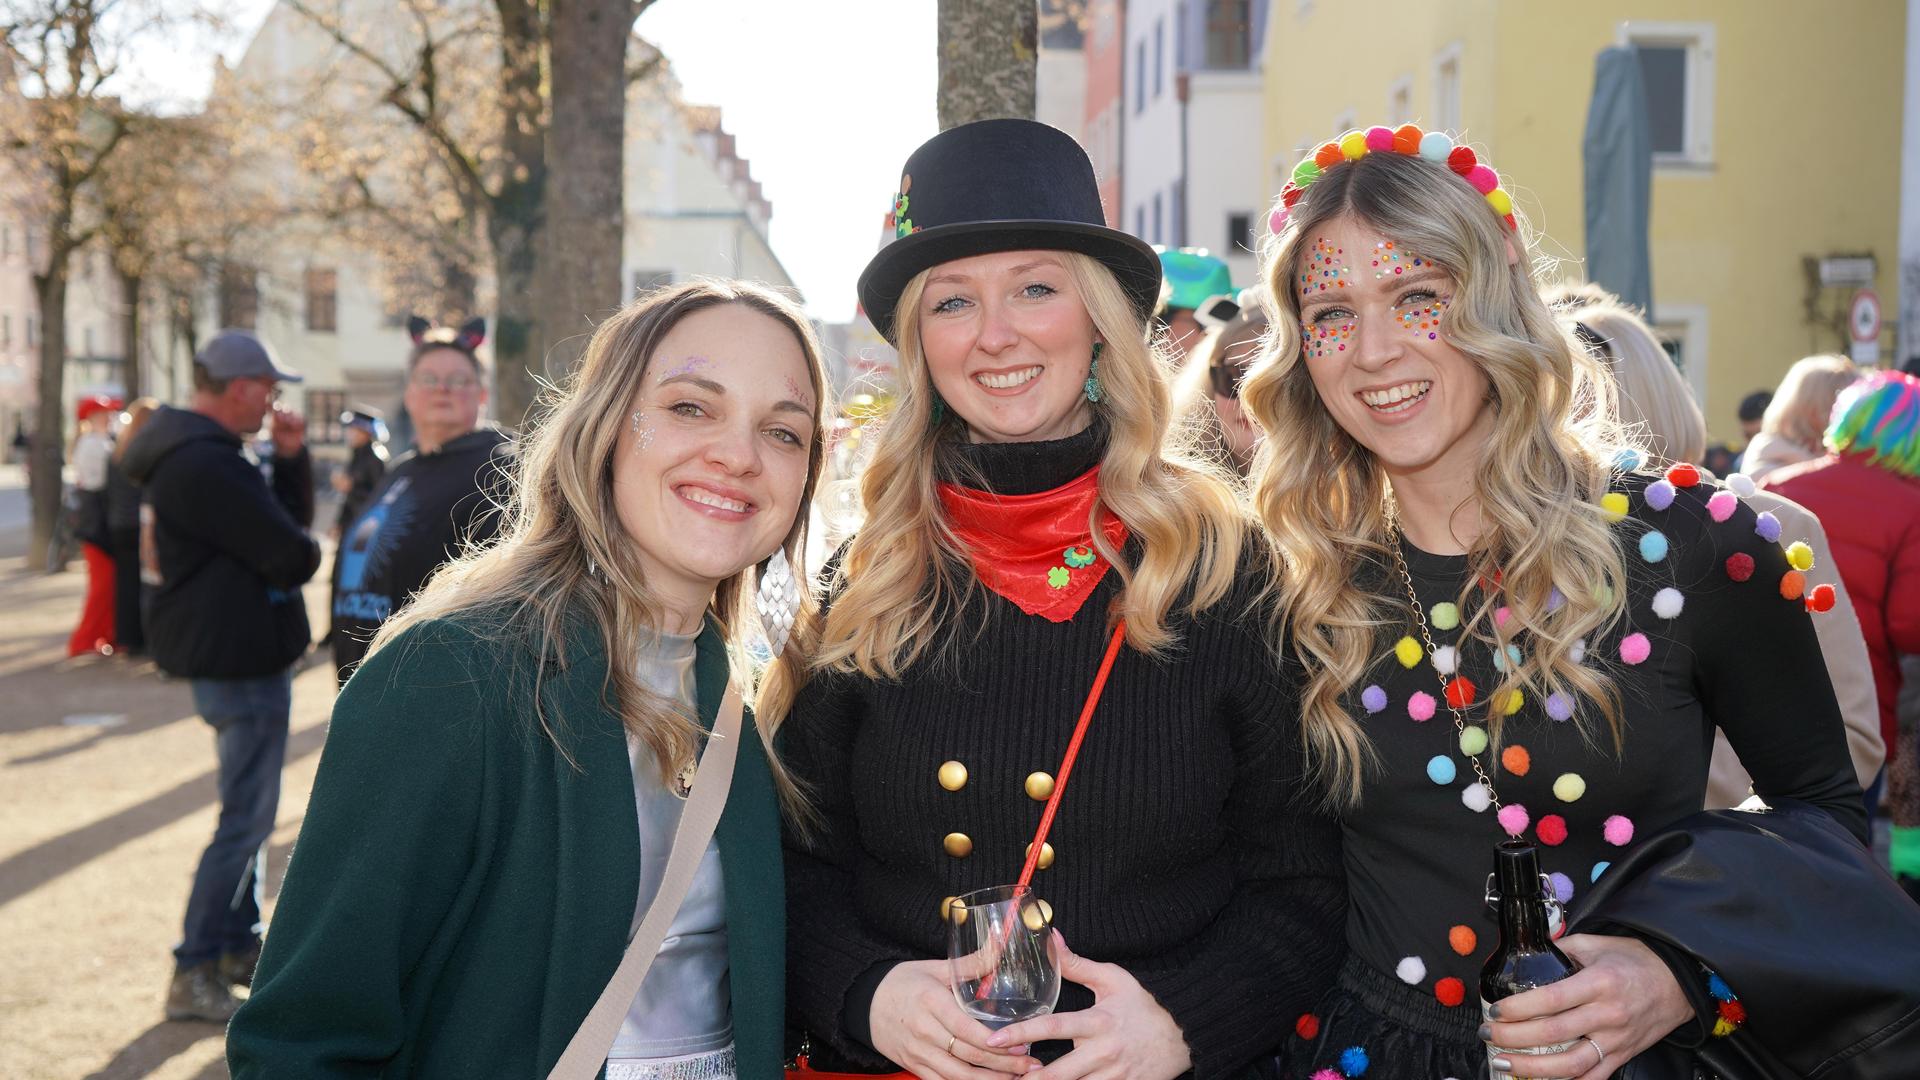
[[1819, 942]]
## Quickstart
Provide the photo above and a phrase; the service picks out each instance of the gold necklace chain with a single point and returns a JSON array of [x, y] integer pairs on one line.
[[1392, 510]]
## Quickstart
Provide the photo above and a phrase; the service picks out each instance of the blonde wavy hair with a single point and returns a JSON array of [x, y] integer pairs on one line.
[[905, 572], [1655, 402], [1803, 405], [563, 563], [1321, 495]]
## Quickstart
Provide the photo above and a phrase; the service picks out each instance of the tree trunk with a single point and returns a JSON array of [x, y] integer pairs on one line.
[[514, 212], [133, 376], [583, 225], [49, 433], [988, 59]]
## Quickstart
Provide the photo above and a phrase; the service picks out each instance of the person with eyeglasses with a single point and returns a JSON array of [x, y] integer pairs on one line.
[[1207, 391], [440, 497]]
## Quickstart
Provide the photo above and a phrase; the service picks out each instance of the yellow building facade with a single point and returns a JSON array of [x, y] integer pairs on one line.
[[1783, 132]]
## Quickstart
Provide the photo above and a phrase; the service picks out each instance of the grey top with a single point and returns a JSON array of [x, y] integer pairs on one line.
[[683, 1006]]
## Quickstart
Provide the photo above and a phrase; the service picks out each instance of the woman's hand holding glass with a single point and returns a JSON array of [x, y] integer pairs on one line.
[[1126, 1035], [1623, 1000], [916, 1023]]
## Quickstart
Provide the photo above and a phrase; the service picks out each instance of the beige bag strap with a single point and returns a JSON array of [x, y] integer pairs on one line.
[[587, 1050]]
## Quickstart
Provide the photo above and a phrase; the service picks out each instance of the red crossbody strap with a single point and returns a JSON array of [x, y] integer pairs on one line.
[[1073, 751]]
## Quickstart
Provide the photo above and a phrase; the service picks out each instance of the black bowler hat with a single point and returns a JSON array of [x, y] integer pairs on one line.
[[1000, 185]]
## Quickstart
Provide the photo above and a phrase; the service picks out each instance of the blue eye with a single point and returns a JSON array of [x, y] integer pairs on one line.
[[1332, 314], [1038, 291], [950, 304]]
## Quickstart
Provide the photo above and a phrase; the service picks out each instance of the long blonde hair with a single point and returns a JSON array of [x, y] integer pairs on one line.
[[564, 558], [1320, 494], [1654, 400], [1223, 346], [1803, 405], [905, 572]]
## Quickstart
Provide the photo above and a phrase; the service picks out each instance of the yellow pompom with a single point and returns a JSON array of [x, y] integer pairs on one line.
[[1408, 651], [1614, 505], [1501, 202], [1723, 1027], [1515, 701], [1354, 145], [1800, 556]]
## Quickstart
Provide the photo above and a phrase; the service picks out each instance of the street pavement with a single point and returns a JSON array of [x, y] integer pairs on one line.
[[106, 799]]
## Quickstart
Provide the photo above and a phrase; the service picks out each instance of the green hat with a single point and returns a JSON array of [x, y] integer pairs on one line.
[[1193, 277]]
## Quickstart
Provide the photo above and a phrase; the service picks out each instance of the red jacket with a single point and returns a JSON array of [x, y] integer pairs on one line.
[[1872, 518]]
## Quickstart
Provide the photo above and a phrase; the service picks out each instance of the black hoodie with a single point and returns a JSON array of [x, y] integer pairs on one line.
[[232, 552]]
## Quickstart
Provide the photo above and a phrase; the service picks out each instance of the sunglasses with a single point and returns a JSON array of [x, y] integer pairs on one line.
[[1227, 369]]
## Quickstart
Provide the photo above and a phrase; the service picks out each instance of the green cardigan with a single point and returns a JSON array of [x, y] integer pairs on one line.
[[460, 894]]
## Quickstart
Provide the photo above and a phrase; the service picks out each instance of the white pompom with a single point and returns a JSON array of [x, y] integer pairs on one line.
[[1740, 484], [1577, 652], [1668, 602], [1412, 970], [1446, 659], [1476, 797]]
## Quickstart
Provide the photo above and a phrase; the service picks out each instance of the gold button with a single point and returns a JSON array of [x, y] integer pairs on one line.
[[952, 908], [958, 845], [953, 776], [1039, 787], [1037, 915], [1046, 855]]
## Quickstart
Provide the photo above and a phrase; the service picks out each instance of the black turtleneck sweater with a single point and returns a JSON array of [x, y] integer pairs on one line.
[[1186, 847]]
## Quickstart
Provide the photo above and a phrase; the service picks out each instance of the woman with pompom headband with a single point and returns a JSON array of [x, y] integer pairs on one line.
[[1511, 627]]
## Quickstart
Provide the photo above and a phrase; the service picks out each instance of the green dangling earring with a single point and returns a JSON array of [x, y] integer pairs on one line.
[[1093, 388], [939, 410]]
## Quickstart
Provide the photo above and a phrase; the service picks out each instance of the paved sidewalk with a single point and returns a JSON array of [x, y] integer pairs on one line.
[[106, 800]]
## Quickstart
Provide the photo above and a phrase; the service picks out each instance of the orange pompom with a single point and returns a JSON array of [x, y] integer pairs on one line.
[[1793, 584], [1328, 155], [1463, 939], [1822, 598], [1517, 760], [1406, 139], [1450, 991]]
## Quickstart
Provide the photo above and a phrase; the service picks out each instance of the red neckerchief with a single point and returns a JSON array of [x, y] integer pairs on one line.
[[1035, 550]]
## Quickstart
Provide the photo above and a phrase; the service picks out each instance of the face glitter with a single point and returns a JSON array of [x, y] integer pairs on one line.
[[1391, 259], [644, 435], [685, 367], [1423, 319], [1326, 269], [1328, 338]]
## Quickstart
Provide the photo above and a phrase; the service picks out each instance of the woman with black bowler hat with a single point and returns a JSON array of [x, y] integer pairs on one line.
[[1026, 515]]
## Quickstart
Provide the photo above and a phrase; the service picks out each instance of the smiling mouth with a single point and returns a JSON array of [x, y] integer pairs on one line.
[[1396, 398], [718, 502], [1008, 380]]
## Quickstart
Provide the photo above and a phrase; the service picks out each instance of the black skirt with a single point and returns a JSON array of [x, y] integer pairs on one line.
[[1372, 1023]]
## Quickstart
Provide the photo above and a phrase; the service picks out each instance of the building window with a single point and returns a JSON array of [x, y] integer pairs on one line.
[[1676, 70], [1159, 57], [1139, 75], [1159, 220], [323, 416], [645, 281], [322, 301], [1240, 232], [1400, 101], [1446, 89], [1229, 33], [239, 296], [1682, 329]]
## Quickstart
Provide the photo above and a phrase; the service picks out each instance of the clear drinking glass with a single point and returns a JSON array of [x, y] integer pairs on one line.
[[1000, 956]]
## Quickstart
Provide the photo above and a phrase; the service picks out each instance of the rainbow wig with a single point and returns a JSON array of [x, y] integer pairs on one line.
[[1879, 416]]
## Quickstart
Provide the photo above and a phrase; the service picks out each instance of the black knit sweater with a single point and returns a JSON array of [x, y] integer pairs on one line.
[[1186, 850]]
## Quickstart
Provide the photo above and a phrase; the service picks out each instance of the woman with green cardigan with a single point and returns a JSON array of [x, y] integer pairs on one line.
[[504, 774]]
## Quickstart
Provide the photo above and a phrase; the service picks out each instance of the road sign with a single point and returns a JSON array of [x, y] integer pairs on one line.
[[1863, 321]]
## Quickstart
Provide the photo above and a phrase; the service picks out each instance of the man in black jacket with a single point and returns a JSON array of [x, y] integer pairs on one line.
[[435, 501], [231, 551]]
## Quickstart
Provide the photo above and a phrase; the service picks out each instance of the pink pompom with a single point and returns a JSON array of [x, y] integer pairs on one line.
[[1420, 706], [1277, 220], [1722, 505], [1501, 615], [1513, 818], [1618, 831], [1635, 648], [1379, 138], [1483, 178], [1328, 1074]]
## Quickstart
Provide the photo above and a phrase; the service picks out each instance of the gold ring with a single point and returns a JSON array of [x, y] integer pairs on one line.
[[951, 1039], [1588, 1039]]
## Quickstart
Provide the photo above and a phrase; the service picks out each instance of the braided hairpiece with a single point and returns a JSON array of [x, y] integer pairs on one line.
[[1407, 140]]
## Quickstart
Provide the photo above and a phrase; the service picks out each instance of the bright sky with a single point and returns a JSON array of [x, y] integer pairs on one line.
[[825, 99]]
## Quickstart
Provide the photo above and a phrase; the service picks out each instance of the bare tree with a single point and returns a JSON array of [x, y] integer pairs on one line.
[[499, 157], [989, 59]]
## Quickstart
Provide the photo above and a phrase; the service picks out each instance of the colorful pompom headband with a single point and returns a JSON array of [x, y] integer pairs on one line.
[[1407, 140]]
